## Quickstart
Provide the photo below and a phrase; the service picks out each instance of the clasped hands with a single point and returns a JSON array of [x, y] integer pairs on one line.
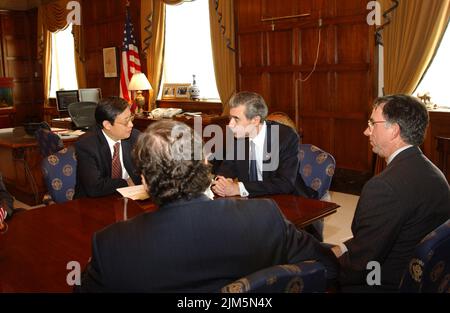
[[225, 187]]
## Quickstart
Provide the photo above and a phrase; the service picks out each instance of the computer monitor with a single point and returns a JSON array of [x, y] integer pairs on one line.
[[66, 97], [90, 94]]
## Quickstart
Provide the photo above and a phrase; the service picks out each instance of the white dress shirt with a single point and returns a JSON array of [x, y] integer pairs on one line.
[[259, 152], [111, 144]]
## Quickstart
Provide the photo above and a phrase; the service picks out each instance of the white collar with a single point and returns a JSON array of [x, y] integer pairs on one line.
[[261, 136], [396, 152]]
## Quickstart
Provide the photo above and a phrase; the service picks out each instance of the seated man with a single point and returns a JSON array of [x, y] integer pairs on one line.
[[398, 207], [191, 243], [270, 162], [104, 153]]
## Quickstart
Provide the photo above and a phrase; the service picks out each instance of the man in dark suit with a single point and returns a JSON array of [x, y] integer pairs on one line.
[[264, 159], [191, 243], [398, 207], [104, 153]]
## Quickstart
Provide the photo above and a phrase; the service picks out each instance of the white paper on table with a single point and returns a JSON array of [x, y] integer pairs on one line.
[[137, 192]]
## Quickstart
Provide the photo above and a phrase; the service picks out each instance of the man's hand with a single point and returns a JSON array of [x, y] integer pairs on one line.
[[225, 187], [337, 251], [130, 181]]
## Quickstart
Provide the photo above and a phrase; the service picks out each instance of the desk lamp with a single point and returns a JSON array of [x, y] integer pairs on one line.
[[138, 83]]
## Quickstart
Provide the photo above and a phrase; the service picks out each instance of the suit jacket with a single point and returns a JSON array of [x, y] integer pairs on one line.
[[396, 209], [198, 245], [285, 179], [94, 164]]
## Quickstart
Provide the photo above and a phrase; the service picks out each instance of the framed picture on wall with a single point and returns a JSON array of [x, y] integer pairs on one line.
[[110, 62], [6, 92]]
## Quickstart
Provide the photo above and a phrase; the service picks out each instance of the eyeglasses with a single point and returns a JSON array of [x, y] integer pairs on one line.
[[127, 120], [372, 123]]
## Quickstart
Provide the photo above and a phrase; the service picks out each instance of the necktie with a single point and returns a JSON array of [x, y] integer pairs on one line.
[[116, 171], [253, 172]]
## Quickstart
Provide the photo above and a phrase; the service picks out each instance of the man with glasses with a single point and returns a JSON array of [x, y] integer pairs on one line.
[[104, 154], [398, 207]]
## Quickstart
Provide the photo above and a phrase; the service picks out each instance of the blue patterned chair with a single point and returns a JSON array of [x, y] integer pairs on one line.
[[429, 269], [317, 168], [60, 171], [303, 277], [48, 141]]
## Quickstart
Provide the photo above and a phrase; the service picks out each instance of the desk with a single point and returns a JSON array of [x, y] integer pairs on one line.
[[39, 243], [21, 164]]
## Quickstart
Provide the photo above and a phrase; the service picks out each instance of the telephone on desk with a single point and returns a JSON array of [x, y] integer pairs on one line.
[[165, 112]]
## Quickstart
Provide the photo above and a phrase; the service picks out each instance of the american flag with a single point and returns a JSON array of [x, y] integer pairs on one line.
[[130, 61], [2, 216]]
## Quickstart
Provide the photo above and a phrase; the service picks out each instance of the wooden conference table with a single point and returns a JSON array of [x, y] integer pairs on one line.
[[39, 244]]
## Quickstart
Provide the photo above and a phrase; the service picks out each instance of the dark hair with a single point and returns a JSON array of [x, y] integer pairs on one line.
[[108, 109], [253, 102], [409, 113], [169, 154]]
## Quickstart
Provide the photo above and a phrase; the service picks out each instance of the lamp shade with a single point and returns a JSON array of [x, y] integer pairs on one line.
[[139, 82]]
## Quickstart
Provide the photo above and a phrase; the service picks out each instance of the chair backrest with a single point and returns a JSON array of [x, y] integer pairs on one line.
[[429, 268], [48, 141], [303, 277], [316, 167], [82, 114], [60, 171]]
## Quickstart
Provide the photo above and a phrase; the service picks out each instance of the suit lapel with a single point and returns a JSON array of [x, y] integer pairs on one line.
[[105, 152]]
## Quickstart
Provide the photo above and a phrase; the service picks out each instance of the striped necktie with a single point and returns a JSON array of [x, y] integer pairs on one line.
[[116, 171]]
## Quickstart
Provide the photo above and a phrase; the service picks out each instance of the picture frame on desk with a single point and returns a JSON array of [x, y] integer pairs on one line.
[[168, 91], [110, 62], [175, 91], [182, 91]]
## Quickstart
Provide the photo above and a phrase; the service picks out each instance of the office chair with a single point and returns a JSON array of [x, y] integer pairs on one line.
[[317, 170], [60, 174], [82, 114], [303, 277], [48, 141], [429, 268]]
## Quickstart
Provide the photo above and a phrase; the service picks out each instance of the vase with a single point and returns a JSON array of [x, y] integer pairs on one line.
[[194, 91]]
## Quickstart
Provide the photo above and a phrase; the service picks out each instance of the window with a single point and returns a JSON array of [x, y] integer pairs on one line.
[[435, 79], [188, 47], [63, 74]]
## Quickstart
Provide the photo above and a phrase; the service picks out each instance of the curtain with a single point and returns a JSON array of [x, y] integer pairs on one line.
[[222, 42], [410, 41], [152, 43], [52, 16]]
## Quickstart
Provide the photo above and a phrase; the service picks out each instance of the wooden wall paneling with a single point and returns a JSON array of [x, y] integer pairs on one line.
[[349, 102], [342, 86], [19, 61], [316, 94], [251, 50], [318, 131], [350, 7], [279, 48], [350, 145], [352, 42], [247, 12], [103, 28], [281, 93], [309, 38]]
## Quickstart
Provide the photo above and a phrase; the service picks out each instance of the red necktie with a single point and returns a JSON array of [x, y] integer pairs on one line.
[[116, 171]]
